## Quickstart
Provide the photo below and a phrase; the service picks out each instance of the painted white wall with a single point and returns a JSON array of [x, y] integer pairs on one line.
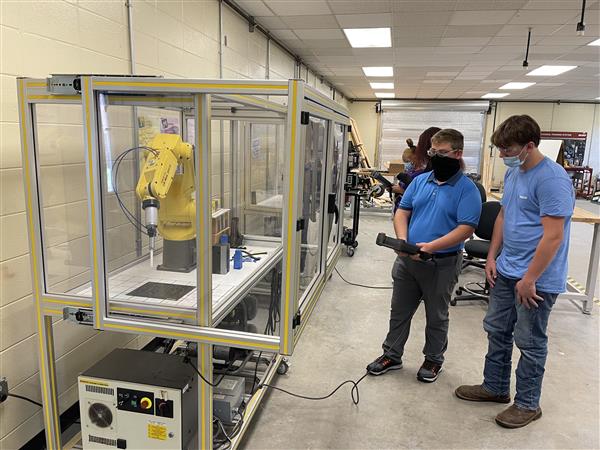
[[173, 38]]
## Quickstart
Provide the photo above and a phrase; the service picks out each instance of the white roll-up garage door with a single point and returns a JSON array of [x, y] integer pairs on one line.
[[406, 119]]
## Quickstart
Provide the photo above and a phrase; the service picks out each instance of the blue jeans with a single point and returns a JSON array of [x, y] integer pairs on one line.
[[507, 321]]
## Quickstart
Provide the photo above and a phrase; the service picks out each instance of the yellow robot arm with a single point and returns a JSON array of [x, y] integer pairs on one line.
[[166, 189]]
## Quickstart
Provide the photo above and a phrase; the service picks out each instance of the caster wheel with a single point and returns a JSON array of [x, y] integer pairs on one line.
[[377, 191], [283, 368], [350, 251], [355, 244], [453, 302], [459, 292]]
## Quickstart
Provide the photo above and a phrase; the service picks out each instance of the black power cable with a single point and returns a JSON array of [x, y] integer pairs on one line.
[[362, 285], [354, 392], [26, 399], [189, 361]]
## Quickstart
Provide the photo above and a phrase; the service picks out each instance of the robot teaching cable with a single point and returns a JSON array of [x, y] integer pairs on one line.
[[115, 182]]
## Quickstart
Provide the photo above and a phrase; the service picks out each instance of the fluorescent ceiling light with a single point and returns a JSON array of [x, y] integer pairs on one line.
[[384, 94], [516, 85], [550, 71], [596, 42], [369, 37], [597, 98], [495, 95], [378, 71], [382, 85]]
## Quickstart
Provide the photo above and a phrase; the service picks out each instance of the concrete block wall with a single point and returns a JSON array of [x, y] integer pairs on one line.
[[173, 38]]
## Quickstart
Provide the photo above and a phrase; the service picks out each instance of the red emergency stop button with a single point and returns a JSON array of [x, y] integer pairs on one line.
[[145, 403]]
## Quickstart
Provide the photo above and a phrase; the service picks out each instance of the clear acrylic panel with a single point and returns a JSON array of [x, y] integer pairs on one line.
[[315, 144], [63, 198], [246, 205], [133, 151], [334, 172]]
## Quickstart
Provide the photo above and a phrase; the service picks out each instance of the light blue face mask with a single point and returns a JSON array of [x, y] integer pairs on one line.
[[515, 161], [409, 167]]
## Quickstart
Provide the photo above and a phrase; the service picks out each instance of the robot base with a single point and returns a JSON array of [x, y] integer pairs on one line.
[[178, 256]]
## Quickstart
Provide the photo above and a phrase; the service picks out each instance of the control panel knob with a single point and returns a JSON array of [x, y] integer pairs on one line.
[[145, 403]]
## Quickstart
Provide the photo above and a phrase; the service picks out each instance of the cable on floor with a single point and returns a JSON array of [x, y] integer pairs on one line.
[[354, 392], [362, 285]]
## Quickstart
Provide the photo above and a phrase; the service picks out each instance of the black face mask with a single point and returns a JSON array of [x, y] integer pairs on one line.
[[443, 167]]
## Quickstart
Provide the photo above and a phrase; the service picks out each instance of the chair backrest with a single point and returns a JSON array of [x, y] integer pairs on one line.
[[489, 212], [481, 191]]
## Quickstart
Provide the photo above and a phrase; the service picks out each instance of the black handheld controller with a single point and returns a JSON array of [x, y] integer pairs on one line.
[[401, 245]]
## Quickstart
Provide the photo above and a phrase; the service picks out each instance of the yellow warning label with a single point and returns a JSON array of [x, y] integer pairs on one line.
[[157, 431], [98, 383]]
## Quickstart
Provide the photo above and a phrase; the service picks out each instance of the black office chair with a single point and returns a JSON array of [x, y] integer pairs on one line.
[[481, 190], [476, 253], [468, 260]]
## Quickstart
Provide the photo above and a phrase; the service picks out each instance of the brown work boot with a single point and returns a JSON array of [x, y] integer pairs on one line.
[[515, 417], [478, 393]]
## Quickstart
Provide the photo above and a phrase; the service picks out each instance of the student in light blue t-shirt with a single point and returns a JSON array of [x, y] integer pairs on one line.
[[532, 235]]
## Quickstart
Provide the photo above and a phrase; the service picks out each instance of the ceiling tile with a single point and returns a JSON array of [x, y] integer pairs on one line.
[[441, 48], [462, 41], [359, 7], [334, 51], [254, 7], [284, 34], [329, 43], [309, 22], [271, 23], [509, 40], [521, 30], [420, 18], [298, 8], [471, 30], [532, 17], [489, 5], [373, 52], [442, 74], [454, 49], [416, 41], [422, 5], [326, 33], [481, 17], [553, 4], [364, 20], [568, 40]]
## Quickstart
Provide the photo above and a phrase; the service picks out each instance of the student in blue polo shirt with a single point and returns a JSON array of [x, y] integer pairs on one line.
[[438, 211], [532, 232]]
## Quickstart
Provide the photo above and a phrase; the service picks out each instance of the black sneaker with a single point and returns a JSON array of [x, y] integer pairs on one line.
[[382, 364], [429, 372]]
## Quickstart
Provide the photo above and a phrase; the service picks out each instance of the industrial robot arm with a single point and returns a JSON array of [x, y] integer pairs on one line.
[[166, 189]]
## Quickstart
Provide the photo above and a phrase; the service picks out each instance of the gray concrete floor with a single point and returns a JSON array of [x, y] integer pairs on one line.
[[395, 410]]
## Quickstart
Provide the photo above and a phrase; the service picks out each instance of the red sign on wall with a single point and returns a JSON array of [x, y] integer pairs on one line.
[[578, 135]]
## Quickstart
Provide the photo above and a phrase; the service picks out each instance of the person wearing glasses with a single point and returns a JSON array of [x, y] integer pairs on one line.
[[532, 235], [439, 210]]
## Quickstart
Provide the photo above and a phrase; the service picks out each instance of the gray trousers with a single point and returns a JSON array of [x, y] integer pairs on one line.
[[433, 281]]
